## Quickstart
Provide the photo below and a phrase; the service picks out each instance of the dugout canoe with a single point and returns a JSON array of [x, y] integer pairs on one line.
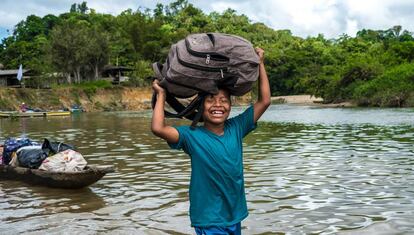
[[68, 180], [6, 114]]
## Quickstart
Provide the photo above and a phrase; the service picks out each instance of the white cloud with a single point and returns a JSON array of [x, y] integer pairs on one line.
[[382, 14], [13, 11], [303, 17], [329, 17], [351, 27]]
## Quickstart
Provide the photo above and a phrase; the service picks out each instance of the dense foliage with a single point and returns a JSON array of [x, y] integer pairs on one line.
[[373, 68]]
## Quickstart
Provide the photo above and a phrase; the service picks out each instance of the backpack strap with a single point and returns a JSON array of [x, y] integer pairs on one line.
[[182, 111], [193, 111], [170, 99], [156, 68], [199, 114]]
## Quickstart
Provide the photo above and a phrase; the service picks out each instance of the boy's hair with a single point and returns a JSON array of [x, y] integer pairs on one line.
[[226, 90]]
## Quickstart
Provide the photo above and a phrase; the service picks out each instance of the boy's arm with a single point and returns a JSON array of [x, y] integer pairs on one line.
[[158, 127], [263, 100]]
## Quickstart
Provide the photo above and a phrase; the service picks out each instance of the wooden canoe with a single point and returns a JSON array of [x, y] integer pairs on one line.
[[69, 180], [34, 114]]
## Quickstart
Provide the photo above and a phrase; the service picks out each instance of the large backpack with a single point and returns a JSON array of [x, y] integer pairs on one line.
[[202, 63]]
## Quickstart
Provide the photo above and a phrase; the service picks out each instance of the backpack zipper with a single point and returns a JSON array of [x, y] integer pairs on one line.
[[199, 67], [212, 55]]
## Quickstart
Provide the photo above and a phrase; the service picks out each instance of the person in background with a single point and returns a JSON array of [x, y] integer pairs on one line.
[[1, 154], [23, 107], [217, 195]]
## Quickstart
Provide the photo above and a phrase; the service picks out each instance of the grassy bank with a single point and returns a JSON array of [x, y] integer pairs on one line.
[[92, 96]]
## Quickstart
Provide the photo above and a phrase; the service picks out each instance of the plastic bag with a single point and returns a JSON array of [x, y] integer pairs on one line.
[[65, 161], [30, 156], [55, 147], [12, 145]]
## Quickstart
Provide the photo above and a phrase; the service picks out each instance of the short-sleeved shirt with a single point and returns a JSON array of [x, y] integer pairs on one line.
[[217, 196]]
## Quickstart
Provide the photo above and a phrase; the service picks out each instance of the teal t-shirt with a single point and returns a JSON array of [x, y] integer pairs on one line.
[[217, 196]]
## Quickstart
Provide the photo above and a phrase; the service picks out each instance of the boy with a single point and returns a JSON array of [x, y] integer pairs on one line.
[[217, 197]]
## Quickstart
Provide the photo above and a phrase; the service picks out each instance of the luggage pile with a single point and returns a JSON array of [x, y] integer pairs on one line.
[[203, 63], [48, 156]]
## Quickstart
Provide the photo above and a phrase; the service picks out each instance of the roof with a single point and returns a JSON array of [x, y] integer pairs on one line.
[[11, 72], [116, 68]]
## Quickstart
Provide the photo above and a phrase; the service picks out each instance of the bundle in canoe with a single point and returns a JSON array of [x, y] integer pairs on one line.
[[69, 180]]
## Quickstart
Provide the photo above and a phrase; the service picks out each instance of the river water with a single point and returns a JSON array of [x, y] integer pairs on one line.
[[308, 170]]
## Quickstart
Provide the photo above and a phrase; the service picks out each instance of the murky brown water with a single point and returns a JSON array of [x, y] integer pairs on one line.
[[308, 170]]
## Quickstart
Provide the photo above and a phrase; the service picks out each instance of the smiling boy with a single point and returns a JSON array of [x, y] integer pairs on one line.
[[217, 195]]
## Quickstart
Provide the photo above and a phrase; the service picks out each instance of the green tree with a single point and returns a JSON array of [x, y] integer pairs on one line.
[[74, 45], [97, 50], [394, 88]]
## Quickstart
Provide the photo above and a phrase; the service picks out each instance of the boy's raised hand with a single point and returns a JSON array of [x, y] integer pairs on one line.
[[264, 98], [158, 126], [157, 88], [260, 53]]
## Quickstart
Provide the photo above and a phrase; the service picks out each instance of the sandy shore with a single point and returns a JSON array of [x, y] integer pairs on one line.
[[307, 100]]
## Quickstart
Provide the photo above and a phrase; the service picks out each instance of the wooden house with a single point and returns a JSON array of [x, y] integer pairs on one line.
[[116, 73], [8, 77]]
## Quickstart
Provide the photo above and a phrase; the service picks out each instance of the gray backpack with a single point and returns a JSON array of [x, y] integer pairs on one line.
[[203, 63]]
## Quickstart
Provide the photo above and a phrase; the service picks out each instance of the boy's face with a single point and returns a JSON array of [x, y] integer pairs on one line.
[[217, 107]]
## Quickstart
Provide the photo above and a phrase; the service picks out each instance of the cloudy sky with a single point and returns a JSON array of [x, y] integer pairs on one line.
[[303, 17]]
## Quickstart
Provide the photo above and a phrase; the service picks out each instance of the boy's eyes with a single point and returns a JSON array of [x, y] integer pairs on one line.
[[223, 100]]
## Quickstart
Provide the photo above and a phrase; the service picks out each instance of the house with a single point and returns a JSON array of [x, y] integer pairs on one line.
[[116, 73], [8, 77]]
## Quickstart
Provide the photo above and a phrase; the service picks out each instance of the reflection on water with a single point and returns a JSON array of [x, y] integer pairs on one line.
[[308, 170]]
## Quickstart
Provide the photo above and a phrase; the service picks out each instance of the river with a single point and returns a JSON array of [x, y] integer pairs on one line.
[[308, 170]]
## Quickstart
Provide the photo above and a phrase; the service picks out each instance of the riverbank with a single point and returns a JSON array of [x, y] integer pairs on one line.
[[116, 99], [307, 100], [92, 100]]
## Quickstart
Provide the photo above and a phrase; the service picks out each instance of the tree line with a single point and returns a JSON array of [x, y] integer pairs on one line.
[[374, 68]]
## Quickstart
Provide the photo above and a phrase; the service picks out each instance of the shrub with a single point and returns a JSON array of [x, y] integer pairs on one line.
[[394, 88], [90, 88]]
